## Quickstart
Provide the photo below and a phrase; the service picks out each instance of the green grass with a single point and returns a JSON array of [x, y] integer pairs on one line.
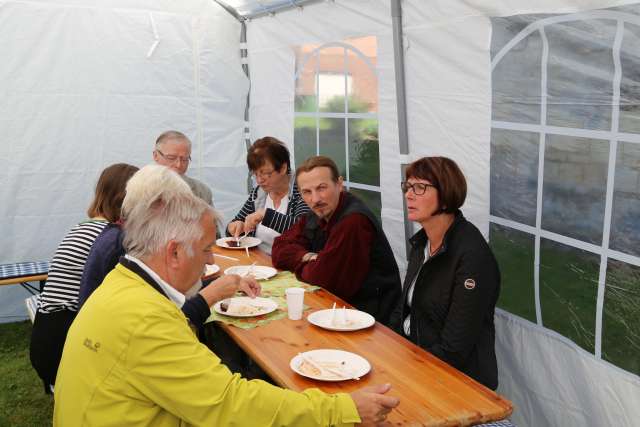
[[22, 399]]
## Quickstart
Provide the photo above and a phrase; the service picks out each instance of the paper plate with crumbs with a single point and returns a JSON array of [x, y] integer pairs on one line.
[[245, 306], [341, 319], [232, 243], [330, 365]]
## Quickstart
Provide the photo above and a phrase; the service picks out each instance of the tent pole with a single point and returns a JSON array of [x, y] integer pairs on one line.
[[401, 98], [244, 58]]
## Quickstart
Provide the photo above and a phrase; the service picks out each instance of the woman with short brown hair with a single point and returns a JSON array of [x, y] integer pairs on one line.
[[275, 204], [452, 281]]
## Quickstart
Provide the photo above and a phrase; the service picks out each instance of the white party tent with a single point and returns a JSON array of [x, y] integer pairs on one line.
[[537, 100]]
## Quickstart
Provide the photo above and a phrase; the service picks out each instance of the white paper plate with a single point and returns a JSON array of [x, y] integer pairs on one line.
[[211, 269], [336, 365], [260, 272], [246, 307], [245, 242], [344, 320]]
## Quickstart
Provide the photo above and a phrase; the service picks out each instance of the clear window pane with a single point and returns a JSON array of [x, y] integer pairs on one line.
[[364, 154], [630, 83], [514, 175], [516, 82], [371, 199], [575, 182], [305, 99], [304, 139], [568, 291], [514, 251], [332, 143], [332, 82], [363, 84], [625, 217], [580, 74], [621, 316]]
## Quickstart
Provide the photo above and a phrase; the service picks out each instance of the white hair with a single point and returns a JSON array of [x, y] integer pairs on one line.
[[159, 207]]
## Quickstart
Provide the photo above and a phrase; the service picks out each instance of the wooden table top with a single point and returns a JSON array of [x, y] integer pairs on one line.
[[431, 392]]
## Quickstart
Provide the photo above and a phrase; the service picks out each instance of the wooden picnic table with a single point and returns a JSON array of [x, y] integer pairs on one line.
[[431, 392]]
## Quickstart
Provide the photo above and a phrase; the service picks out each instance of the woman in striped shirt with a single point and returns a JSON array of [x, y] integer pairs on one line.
[[59, 299], [275, 204]]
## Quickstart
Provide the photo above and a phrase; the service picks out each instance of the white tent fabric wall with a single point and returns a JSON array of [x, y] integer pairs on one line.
[[448, 80], [85, 85]]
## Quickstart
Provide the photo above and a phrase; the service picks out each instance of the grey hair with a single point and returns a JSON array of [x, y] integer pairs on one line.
[[172, 135], [159, 207]]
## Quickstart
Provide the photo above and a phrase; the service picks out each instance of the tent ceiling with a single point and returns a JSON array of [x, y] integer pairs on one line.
[[247, 9]]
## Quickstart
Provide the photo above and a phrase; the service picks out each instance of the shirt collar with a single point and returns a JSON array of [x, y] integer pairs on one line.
[[177, 297]]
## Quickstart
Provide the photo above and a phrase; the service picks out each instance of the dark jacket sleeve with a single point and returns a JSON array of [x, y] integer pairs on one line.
[[466, 316], [196, 310], [103, 257]]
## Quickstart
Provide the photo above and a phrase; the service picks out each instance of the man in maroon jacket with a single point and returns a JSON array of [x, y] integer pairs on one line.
[[340, 245]]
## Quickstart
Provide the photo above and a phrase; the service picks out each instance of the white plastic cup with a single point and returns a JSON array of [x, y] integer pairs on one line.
[[295, 302]]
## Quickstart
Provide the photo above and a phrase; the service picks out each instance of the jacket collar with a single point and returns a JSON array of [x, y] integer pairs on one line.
[[136, 269], [419, 240]]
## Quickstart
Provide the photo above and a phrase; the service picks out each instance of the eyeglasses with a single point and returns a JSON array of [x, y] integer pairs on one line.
[[172, 158], [263, 175], [419, 188]]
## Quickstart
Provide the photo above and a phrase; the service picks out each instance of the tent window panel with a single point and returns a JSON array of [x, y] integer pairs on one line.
[[331, 137], [364, 152], [514, 175], [514, 251], [363, 89], [568, 291], [371, 198], [630, 83], [575, 181], [580, 74], [333, 83], [621, 316], [305, 98], [516, 83], [625, 217], [304, 139]]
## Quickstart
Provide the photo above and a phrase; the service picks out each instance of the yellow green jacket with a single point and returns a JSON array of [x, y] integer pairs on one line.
[[130, 359]]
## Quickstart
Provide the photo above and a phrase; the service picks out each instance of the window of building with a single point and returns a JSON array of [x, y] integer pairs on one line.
[[336, 112]]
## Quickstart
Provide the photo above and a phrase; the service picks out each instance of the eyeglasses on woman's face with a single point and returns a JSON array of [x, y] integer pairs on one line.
[[418, 188], [261, 174], [173, 158]]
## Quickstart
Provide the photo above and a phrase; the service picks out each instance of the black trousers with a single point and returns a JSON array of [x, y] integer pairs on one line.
[[47, 341]]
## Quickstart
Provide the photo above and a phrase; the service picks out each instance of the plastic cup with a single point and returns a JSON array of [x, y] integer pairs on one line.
[[295, 302]]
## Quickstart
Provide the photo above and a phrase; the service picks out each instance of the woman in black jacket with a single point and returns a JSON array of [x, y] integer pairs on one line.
[[452, 282]]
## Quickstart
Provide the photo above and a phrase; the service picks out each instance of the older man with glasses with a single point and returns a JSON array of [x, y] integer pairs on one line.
[[173, 150]]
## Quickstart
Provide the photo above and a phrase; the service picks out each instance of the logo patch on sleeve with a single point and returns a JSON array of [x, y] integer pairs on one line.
[[469, 284]]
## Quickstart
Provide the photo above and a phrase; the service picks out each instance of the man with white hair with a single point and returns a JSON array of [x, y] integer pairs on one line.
[[173, 149], [130, 358]]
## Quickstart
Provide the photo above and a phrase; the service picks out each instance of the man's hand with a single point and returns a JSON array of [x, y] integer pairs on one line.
[[309, 256], [227, 286], [236, 228], [252, 220], [372, 404]]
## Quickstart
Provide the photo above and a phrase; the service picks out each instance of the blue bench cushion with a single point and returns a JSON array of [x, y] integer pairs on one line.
[[22, 269]]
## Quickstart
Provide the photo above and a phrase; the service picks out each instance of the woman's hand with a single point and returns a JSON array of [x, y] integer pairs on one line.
[[252, 220], [236, 228]]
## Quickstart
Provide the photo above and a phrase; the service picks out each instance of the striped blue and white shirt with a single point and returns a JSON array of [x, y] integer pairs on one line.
[[63, 284]]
